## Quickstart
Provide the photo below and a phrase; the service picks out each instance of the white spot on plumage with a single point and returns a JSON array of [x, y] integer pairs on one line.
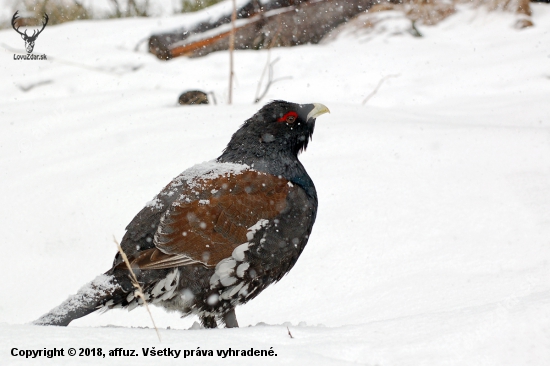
[[243, 291], [228, 294], [225, 294], [214, 280], [238, 252], [172, 280], [225, 266], [157, 290], [236, 289], [227, 280], [225, 269], [241, 269], [257, 226]]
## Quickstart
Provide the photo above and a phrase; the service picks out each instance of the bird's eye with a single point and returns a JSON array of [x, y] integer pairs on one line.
[[290, 117]]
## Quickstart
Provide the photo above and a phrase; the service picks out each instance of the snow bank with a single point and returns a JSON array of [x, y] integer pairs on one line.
[[431, 242]]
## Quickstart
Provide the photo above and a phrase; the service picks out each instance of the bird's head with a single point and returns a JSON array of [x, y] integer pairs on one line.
[[278, 128]]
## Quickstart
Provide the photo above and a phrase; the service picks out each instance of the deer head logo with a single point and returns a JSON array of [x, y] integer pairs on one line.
[[29, 40]]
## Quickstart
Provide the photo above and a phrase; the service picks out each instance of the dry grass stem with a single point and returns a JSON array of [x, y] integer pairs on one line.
[[136, 284]]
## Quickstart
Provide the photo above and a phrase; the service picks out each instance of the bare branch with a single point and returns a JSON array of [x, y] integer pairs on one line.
[[270, 81], [378, 87]]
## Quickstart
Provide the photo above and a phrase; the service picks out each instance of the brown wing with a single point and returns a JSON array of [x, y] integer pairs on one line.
[[212, 218]]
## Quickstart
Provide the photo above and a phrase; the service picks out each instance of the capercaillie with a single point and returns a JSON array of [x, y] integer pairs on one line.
[[220, 232]]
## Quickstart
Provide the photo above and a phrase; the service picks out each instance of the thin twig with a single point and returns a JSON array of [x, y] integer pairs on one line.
[[211, 93], [257, 98], [270, 80], [136, 48], [268, 64], [414, 31], [290, 334], [378, 87], [231, 48], [136, 285], [31, 86]]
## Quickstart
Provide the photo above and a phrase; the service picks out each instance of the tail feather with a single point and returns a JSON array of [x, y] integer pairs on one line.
[[88, 299]]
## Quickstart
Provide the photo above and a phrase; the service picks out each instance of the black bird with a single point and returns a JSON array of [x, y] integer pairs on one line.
[[220, 232]]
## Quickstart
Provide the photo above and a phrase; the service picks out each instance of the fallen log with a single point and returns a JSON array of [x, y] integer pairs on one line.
[[160, 44], [275, 24]]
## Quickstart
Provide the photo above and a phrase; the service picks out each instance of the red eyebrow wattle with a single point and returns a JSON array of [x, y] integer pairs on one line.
[[289, 114]]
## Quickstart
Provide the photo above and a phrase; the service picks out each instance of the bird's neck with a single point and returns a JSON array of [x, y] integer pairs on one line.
[[277, 162]]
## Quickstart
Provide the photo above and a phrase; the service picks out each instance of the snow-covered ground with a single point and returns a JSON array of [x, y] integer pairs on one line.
[[432, 243]]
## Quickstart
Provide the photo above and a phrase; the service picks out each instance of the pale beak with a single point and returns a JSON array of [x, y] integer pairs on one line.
[[318, 109]]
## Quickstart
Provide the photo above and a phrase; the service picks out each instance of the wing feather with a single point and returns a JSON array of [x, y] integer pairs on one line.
[[212, 217]]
